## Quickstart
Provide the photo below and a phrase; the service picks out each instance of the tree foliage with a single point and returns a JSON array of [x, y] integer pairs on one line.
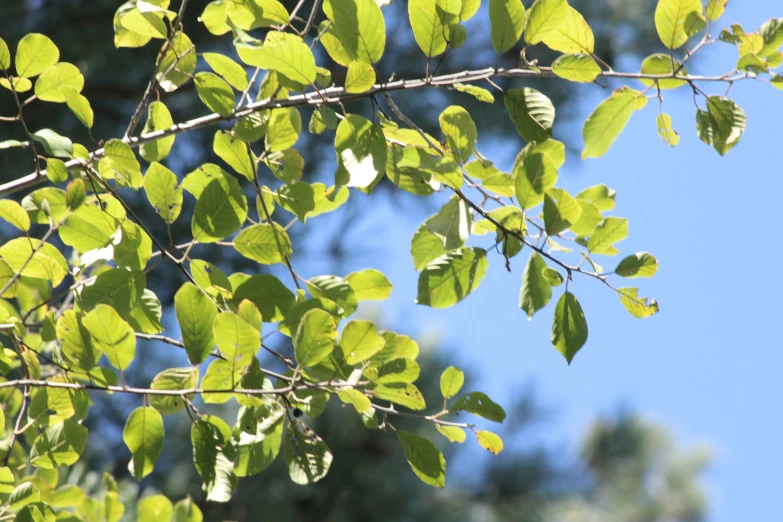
[[73, 284]]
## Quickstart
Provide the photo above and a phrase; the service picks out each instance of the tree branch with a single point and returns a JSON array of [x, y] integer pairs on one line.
[[337, 95]]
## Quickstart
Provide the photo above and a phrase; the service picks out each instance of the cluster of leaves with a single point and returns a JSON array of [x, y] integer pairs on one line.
[[63, 317]]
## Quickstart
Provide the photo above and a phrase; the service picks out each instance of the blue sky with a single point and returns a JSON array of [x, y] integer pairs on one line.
[[708, 364]]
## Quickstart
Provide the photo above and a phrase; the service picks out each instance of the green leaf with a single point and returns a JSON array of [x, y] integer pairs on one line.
[[283, 128], [230, 70], [177, 64], [599, 195], [49, 86], [163, 193], [609, 119], [323, 118], [460, 130], [443, 168], [111, 335], [134, 249], [210, 278], [560, 211], [315, 338], [335, 289], [552, 276], [236, 153], [452, 223], [13, 213], [173, 379], [490, 441], [359, 26], [75, 340], [215, 93], [360, 77], [195, 314], [158, 118], [265, 243], [220, 210], [19, 84], [531, 111], [155, 507], [75, 194], [425, 247], [665, 130], [771, 32], [569, 327], [429, 21], [46, 263], [536, 288], [306, 454], [452, 277], [722, 124], [576, 68], [23, 494], [398, 370], [573, 35], [453, 433], [297, 198], [237, 340], [588, 220], [357, 399], [34, 54], [361, 150], [639, 307], [120, 162], [6, 275], [534, 175], [286, 165], [369, 285], [271, 296], [54, 144], [290, 57], [507, 18], [451, 381], [479, 93], [5, 56], [89, 226], [641, 264], [663, 64], [259, 447], [360, 341], [715, 9], [673, 21], [214, 17], [544, 19], [59, 445], [607, 233], [146, 315], [211, 444], [186, 510], [777, 81], [402, 393], [261, 13], [119, 288], [79, 106], [480, 404], [143, 434], [424, 458], [223, 377], [8, 144], [334, 47]]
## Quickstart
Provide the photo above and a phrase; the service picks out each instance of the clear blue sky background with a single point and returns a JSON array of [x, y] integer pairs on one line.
[[708, 365]]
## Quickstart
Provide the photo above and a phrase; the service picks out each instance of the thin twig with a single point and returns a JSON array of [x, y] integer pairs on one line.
[[338, 95]]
